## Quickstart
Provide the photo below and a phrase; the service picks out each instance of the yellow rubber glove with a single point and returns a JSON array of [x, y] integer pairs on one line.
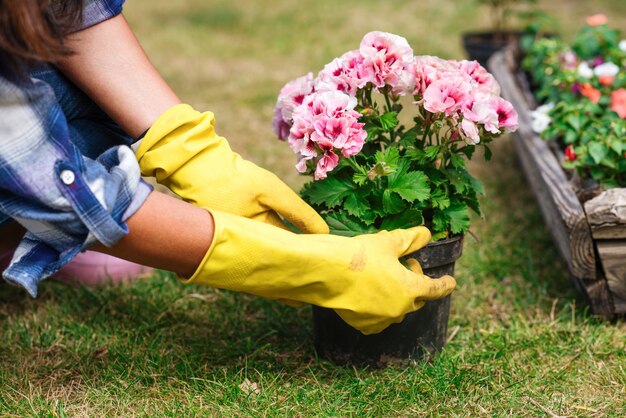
[[360, 278], [183, 152]]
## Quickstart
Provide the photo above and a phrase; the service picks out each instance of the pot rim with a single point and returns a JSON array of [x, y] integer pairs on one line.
[[446, 241]]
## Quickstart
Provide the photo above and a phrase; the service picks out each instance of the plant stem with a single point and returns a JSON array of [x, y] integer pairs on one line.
[[387, 101], [427, 128], [392, 131]]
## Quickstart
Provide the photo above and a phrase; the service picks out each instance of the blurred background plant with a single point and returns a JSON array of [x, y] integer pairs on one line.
[[503, 12], [513, 23], [582, 85]]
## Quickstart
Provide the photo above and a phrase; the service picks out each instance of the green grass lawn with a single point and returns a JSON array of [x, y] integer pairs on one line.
[[523, 343]]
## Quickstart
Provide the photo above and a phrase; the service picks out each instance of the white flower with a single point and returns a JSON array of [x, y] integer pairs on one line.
[[540, 118], [584, 70], [540, 122], [622, 45], [607, 69]]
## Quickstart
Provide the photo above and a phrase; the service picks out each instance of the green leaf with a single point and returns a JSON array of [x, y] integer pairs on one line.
[[409, 137], [472, 202], [356, 205], [439, 199], [390, 157], [618, 146], [407, 219], [439, 235], [360, 178], [571, 137], [441, 221], [457, 161], [432, 151], [476, 184], [369, 217], [411, 186], [459, 179], [575, 121], [340, 223], [469, 151], [416, 154], [597, 151], [389, 120], [329, 192], [459, 217], [392, 203], [488, 153]]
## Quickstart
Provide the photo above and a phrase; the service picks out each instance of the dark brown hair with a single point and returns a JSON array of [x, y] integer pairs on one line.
[[32, 31]]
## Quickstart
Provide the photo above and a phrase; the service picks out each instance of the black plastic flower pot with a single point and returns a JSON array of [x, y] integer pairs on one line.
[[480, 46], [419, 336]]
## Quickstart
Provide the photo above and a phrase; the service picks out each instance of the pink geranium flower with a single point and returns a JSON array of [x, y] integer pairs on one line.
[[479, 109], [337, 76], [331, 132], [291, 96], [483, 79], [428, 69], [470, 132], [386, 56], [507, 116], [353, 63], [618, 102], [324, 119], [325, 164], [323, 125], [446, 95]]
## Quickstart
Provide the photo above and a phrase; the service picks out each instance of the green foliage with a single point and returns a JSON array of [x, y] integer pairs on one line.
[[397, 186], [583, 114]]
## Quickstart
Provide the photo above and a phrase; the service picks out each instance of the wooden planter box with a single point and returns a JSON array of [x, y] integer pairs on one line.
[[589, 231]]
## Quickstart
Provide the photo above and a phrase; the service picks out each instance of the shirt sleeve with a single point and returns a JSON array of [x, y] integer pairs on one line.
[[65, 200], [96, 11]]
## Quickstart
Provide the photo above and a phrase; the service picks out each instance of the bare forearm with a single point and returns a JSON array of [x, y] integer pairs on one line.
[[110, 65], [165, 233]]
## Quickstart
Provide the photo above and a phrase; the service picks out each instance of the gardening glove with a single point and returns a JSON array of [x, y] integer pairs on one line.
[[360, 278], [183, 152]]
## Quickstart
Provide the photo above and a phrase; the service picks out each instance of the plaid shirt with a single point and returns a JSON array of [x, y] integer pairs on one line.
[[65, 200]]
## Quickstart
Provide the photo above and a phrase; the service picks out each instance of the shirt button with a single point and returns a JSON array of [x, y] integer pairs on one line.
[[67, 177]]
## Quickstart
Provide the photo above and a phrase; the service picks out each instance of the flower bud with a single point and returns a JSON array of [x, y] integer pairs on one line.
[[570, 155]]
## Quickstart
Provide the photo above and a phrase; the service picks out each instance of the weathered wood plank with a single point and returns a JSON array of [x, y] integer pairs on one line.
[[606, 214], [557, 199], [559, 205], [613, 256]]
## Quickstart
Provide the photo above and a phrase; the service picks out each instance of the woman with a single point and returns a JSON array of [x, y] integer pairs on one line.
[[75, 89]]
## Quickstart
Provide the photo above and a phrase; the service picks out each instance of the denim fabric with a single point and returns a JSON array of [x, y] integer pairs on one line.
[[66, 174], [90, 129], [95, 11]]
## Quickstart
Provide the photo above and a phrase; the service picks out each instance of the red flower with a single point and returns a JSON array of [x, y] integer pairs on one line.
[[589, 92], [606, 80], [570, 155], [618, 102]]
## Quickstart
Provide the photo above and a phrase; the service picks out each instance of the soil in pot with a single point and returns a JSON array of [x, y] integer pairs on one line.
[[419, 336]]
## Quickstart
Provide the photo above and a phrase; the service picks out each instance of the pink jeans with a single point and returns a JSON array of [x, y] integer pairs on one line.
[[92, 269]]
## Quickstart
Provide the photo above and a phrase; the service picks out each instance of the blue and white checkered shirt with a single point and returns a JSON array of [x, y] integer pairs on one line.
[[65, 200]]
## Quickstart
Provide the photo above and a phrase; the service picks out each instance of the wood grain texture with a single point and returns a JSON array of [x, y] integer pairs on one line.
[[557, 199], [613, 256], [606, 214], [562, 211]]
